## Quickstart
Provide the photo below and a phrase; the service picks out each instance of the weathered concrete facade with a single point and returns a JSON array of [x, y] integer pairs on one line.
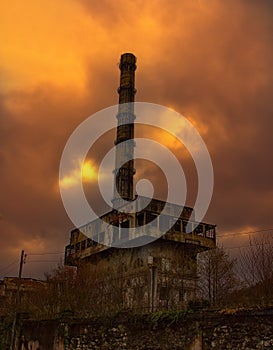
[[156, 276]]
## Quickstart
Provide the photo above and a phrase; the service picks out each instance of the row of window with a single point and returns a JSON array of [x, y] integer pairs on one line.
[[158, 207], [99, 238], [143, 218], [165, 222]]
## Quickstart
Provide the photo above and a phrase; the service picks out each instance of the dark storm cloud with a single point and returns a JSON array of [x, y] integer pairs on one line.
[[212, 62], [223, 78]]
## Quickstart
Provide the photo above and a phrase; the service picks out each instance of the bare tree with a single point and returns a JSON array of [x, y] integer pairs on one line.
[[84, 292], [256, 267], [52, 297], [217, 277]]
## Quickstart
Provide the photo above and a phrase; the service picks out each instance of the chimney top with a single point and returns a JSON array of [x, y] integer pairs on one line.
[[127, 58]]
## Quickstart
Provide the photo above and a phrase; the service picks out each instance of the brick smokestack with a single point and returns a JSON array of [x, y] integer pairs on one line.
[[124, 168]]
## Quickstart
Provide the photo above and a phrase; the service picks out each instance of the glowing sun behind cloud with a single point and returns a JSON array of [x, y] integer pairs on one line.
[[89, 171], [86, 172]]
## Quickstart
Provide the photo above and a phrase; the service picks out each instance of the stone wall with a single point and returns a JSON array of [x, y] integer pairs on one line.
[[248, 330]]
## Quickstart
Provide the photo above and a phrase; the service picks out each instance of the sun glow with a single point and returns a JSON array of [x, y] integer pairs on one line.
[[86, 172], [89, 171]]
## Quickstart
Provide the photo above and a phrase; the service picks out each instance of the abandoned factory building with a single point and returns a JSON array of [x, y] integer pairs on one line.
[[139, 269]]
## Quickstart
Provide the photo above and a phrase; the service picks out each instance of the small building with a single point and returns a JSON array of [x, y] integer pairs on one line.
[[8, 290], [145, 268]]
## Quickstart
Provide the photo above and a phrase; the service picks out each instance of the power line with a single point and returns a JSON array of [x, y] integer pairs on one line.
[[7, 267], [247, 246], [243, 233], [6, 273], [47, 261], [53, 253]]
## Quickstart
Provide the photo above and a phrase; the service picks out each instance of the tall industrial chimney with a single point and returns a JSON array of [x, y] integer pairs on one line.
[[124, 168]]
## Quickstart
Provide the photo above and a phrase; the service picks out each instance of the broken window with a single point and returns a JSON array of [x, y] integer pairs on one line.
[[125, 224], [83, 245], [140, 219], [89, 242], [177, 226], [151, 218], [186, 226], [72, 249], [210, 231], [75, 234], [78, 247], [198, 230], [154, 207], [164, 222]]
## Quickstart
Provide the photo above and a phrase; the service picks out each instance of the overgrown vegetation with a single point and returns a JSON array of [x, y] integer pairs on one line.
[[169, 317], [84, 293]]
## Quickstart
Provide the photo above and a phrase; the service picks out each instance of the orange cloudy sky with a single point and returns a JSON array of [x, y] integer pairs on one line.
[[209, 60]]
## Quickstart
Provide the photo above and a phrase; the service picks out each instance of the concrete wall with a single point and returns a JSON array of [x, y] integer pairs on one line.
[[126, 332]]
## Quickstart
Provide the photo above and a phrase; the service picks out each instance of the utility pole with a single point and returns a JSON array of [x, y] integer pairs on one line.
[[17, 298], [152, 282]]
